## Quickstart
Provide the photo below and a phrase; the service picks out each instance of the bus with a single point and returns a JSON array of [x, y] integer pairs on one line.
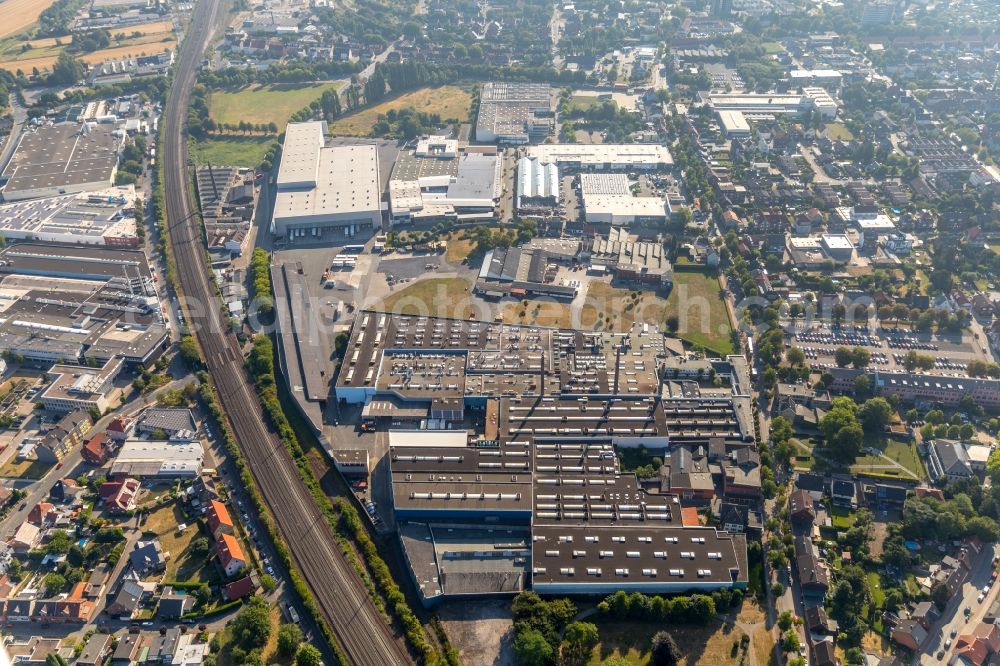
[[353, 249]]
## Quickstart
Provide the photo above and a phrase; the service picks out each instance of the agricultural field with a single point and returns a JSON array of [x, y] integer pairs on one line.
[[450, 102], [151, 38], [703, 318], [263, 104], [244, 151], [19, 15]]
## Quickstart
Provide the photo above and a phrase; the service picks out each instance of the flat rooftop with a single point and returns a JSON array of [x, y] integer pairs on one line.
[[55, 156], [104, 213], [594, 155]]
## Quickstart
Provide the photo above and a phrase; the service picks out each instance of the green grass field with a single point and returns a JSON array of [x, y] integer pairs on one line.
[[703, 319], [838, 131], [841, 518], [585, 102], [630, 641], [450, 102], [436, 297], [904, 453], [244, 151], [273, 103]]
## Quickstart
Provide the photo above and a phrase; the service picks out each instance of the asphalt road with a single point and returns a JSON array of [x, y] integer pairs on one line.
[[362, 632]]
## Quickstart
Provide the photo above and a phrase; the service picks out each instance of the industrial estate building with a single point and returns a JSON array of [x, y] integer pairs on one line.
[[102, 217], [63, 159], [76, 387], [735, 110], [603, 156], [79, 303], [514, 113], [436, 181], [502, 445], [608, 199], [537, 183], [325, 192]]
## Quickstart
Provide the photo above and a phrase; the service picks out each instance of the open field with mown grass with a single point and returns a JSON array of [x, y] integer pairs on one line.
[[265, 104], [696, 300], [450, 102], [243, 151]]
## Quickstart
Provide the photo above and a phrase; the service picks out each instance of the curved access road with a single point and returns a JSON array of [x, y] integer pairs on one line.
[[363, 633]]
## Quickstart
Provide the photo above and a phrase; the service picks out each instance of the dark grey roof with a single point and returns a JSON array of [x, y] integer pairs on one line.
[[170, 420]]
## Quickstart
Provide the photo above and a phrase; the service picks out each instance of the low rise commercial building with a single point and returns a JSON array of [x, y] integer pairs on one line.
[[144, 459], [514, 113], [602, 156], [77, 387]]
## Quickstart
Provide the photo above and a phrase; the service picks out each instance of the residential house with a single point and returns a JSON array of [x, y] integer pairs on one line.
[[843, 493], [814, 484], [217, 517], [230, 555], [926, 613], [812, 572], [147, 557], [97, 581], [127, 651], [74, 607], [824, 653], [737, 518], [817, 622], [32, 652], [42, 514], [977, 646], [162, 647], [908, 633], [685, 473], [120, 429], [25, 538], [801, 508], [173, 604], [244, 587], [885, 496], [95, 650], [120, 496], [95, 450], [67, 491], [128, 600], [65, 435]]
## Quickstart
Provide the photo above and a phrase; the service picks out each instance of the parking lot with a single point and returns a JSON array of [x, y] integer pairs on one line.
[[888, 347]]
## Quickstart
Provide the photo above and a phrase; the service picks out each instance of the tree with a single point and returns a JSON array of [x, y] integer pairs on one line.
[[785, 620], [531, 648], [66, 71], [252, 626], [862, 386], [664, 650], [188, 350], [795, 356], [860, 357], [289, 638], [940, 595], [308, 655], [54, 584], [843, 357], [874, 414], [579, 639], [56, 660], [790, 641]]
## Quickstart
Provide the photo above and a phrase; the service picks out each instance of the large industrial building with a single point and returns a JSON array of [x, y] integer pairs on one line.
[[608, 199], [52, 160], [603, 156], [502, 454], [325, 192], [632, 259], [79, 304], [768, 105], [436, 181], [514, 113], [103, 217], [537, 183]]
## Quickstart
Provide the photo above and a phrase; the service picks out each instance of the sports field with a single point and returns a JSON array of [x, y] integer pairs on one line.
[[450, 102], [266, 104], [19, 15]]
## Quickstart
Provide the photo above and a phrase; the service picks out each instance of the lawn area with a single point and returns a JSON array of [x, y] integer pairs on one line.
[[837, 131], [630, 640], [25, 469], [244, 151], [841, 518], [905, 453], [582, 103], [450, 102], [436, 297], [604, 301], [539, 313], [770, 48], [274, 103], [458, 248], [875, 589], [696, 301], [182, 565]]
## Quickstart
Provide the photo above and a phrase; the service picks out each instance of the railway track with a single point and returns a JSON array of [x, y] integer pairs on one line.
[[363, 633]]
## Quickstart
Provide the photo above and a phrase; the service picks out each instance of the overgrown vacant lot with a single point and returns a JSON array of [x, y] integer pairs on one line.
[[273, 103], [449, 102]]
